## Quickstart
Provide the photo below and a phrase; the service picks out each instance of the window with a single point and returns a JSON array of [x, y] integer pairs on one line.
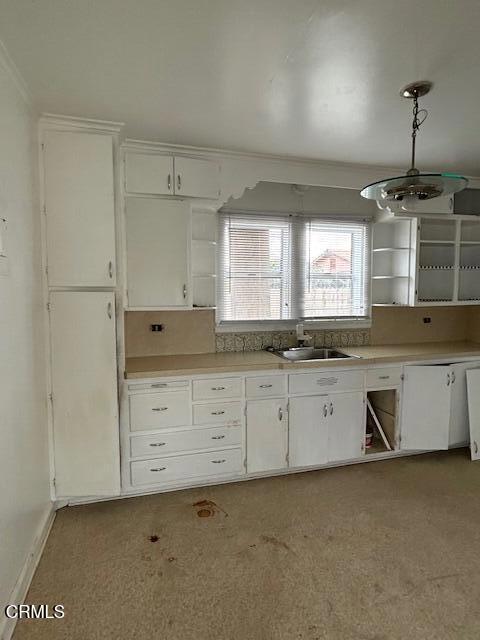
[[291, 267]]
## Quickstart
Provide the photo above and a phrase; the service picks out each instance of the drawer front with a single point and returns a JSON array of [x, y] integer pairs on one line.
[[158, 410], [188, 440], [384, 377], [217, 413], [217, 388], [325, 381], [160, 470], [265, 386], [158, 386]]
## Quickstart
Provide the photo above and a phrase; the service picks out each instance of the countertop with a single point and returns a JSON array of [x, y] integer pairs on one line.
[[229, 362]]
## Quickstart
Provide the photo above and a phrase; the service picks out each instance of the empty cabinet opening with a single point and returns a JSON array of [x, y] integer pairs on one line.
[[381, 424]]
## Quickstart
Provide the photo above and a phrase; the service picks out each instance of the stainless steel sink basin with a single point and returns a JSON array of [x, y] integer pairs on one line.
[[303, 354]]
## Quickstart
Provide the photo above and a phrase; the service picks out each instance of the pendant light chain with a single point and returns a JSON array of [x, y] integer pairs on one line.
[[419, 117]]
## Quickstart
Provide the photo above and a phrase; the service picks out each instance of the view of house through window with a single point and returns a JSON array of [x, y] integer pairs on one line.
[[291, 267]]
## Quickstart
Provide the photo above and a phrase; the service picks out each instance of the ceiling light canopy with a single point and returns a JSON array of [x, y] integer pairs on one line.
[[415, 186]]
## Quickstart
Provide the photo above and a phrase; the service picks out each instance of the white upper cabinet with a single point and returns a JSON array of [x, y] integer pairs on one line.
[[158, 253], [156, 174], [196, 178], [84, 393], [79, 207], [149, 173]]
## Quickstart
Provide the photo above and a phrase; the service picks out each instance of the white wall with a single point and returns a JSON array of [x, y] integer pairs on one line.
[[24, 467], [271, 196]]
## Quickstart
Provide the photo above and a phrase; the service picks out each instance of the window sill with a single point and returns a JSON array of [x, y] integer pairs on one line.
[[289, 325]]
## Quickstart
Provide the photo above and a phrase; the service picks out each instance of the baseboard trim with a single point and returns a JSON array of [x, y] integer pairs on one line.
[[20, 590]]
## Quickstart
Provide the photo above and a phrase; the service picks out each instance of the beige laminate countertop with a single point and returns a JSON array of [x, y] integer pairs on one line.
[[226, 362]]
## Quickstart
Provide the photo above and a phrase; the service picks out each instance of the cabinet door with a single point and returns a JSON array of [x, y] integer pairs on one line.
[[84, 393], [157, 252], [426, 407], [459, 427], [346, 426], [196, 178], [473, 388], [267, 440], [307, 431], [79, 205], [148, 173]]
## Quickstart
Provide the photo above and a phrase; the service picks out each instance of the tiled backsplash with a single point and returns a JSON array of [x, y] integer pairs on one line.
[[257, 341]]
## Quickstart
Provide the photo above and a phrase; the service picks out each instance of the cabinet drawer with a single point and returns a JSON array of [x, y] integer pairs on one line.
[[188, 440], [265, 386], [217, 413], [384, 377], [217, 388], [158, 386], [325, 380], [193, 465], [157, 410]]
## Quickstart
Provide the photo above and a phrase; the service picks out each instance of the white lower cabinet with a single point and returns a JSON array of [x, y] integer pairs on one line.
[[161, 470], [326, 428], [308, 431], [84, 393], [435, 413], [267, 435]]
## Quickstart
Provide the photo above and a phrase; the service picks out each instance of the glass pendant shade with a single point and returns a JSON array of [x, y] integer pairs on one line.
[[415, 186], [422, 186]]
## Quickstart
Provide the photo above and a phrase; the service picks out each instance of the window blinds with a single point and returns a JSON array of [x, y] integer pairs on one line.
[[277, 267]]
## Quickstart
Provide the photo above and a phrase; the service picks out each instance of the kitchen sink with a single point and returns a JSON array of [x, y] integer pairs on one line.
[[304, 354]]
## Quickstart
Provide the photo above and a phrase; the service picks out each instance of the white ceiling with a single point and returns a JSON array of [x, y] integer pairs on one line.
[[313, 78]]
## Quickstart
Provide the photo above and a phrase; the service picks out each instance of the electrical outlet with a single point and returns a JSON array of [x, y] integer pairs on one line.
[[427, 320], [156, 328]]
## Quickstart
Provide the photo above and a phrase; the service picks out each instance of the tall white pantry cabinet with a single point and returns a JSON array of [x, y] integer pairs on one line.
[[78, 185]]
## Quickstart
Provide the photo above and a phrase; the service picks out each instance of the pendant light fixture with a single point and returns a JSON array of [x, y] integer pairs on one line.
[[415, 186]]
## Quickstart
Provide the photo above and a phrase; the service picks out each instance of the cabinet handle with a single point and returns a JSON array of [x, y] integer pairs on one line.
[[331, 408], [184, 291], [109, 310], [217, 413], [110, 269], [327, 381], [158, 385], [179, 182], [325, 411], [453, 377], [475, 446], [266, 386], [448, 379], [159, 408], [158, 469], [218, 388], [218, 437], [169, 182], [280, 414], [218, 461], [158, 444], [384, 377]]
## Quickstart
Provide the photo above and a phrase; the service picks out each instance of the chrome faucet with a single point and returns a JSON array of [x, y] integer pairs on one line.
[[302, 338]]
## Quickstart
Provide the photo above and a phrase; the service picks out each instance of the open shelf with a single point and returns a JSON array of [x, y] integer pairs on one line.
[[437, 230], [382, 409]]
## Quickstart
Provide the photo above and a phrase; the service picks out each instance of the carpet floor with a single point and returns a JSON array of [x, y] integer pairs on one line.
[[381, 551]]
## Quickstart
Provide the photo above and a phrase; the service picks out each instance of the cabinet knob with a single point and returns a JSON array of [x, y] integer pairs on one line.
[[218, 388], [280, 414], [184, 291], [169, 182], [331, 408], [179, 182], [109, 310], [219, 461], [217, 413], [110, 269], [475, 446], [325, 411], [265, 386], [448, 379], [159, 408], [158, 469], [158, 444], [218, 437]]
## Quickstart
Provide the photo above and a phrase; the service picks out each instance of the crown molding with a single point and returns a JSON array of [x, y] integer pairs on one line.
[[54, 120]]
